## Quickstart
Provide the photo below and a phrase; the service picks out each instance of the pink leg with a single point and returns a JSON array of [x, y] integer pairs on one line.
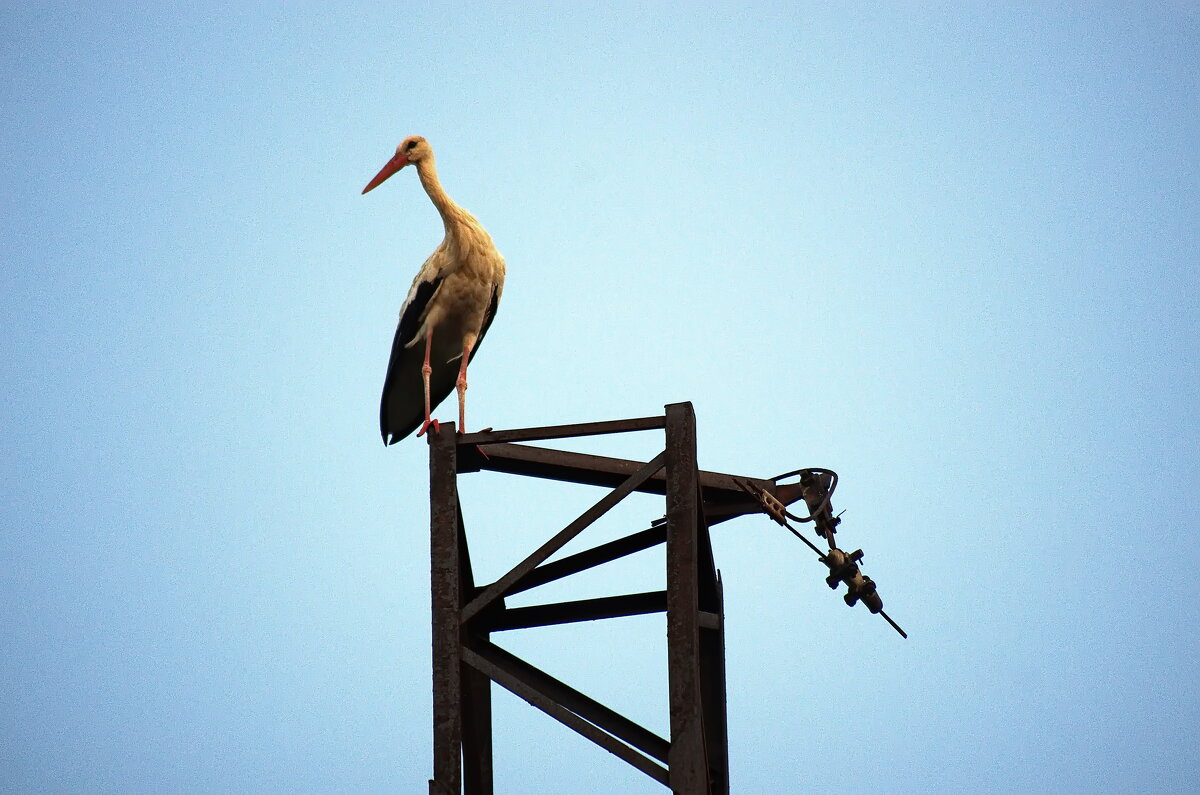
[[461, 384], [426, 371]]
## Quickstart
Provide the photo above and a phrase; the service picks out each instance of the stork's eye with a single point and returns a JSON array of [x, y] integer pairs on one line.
[[411, 146]]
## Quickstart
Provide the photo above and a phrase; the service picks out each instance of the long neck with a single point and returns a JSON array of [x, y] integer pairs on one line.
[[452, 215]]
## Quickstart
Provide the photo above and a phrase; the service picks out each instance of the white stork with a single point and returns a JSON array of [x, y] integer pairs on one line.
[[449, 307]]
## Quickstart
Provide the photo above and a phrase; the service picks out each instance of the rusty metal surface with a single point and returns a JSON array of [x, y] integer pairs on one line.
[[501, 586], [589, 558], [518, 682], [476, 689], [445, 589], [563, 431], [712, 682], [633, 604], [688, 761], [584, 706], [711, 660], [595, 470]]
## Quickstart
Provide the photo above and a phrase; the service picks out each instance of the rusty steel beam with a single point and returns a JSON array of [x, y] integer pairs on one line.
[[688, 761], [501, 586], [634, 604], [520, 686], [581, 561], [445, 590], [585, 707], [716, 720], [476, 689], [563, 431], [712, 677], [595, 470], [723, 509]]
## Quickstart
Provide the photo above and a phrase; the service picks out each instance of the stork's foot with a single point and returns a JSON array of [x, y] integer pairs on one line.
[[437, 427]]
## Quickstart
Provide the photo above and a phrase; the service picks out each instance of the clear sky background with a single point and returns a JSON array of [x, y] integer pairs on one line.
[[949, 251]]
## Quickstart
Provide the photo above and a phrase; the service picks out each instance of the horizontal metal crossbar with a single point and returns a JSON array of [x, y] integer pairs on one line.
[[596, 470], [634, 604], [563, 431], [610, 730]]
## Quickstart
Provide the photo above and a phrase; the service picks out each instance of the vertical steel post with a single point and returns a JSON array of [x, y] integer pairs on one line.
[[476, 688], [445, 587], [687, 759], [712, 675]]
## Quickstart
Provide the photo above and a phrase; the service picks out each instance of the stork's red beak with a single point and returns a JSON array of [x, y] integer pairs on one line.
[[395, 164]]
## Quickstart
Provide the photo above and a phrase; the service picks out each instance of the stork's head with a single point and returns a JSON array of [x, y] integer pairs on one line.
[[412, 149]]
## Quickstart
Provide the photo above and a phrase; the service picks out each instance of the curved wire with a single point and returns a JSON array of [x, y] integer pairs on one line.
[[824, 503]]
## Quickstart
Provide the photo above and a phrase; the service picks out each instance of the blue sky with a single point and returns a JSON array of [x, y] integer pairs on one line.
[[947, 251]]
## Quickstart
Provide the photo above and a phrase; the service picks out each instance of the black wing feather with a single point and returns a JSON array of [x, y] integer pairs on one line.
[[393, 429], [410, 320]]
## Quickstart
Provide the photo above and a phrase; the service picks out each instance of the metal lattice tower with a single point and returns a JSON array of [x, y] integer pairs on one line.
[[695, 759]]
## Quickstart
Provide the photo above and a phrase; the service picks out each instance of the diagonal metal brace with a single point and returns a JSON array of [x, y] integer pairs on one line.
[[501, 586]]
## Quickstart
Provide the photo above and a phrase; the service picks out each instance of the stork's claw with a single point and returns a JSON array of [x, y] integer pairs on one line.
[[437, 427]]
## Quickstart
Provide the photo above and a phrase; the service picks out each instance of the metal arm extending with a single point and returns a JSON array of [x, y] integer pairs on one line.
[[695, 759]]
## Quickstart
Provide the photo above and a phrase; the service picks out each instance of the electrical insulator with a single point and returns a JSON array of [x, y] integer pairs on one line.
[[843, 568]]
